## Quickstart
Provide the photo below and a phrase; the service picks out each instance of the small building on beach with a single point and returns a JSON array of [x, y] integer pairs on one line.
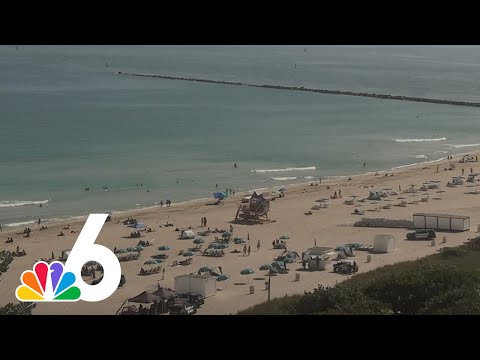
[[383, 243], [191, 283], [441, 222], [257, 207]]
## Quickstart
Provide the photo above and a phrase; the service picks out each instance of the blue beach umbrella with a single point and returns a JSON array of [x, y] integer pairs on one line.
[[163, 248], [223, 277], [278, 264], [198, 241], [284, 237], [220, 195], [213, 245], [204, 269], [239, 241], [188, 253], [226, 234], [265, 267], [221, 246], [247, 272]]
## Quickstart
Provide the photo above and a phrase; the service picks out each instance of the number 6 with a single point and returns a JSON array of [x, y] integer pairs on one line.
[[86, 250]]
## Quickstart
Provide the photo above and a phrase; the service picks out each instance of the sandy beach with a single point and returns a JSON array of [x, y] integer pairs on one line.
[[332, 226]]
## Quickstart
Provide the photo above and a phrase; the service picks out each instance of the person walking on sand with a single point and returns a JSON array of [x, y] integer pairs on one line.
[[205, 221], [258, 245], [340, 193], [249, 250], [1, 227], [471, 170], [39, 221], [201, 221], [437, 168], [463, 171], [163, 274], [161, 203], [245, 250], [399, 188]]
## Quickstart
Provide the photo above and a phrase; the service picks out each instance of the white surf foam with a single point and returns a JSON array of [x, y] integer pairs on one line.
[[15, 203], [284, 178], [419, 163], [286, 169], [23, 223], [421, 156], [308, 177], [463, 145], [419, 140]]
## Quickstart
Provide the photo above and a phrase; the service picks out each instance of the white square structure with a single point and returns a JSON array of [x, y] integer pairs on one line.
[[441, 222], [384, 243], [200, 284]]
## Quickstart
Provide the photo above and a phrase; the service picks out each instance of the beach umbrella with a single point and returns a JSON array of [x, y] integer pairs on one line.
[[221, 246], [198, 241], [220, 195], [159, 261], [226, 234], [164, 293], [204, 269], [139, 248], [239, 241], [278, 264], [280, 258], [288, 261], [247, 272], [137, 226], [163, 248], [284, 237], [188, 253], [223, 277], [212, 245], [150, 262], [131, 248], [121, 251], [265, 267]]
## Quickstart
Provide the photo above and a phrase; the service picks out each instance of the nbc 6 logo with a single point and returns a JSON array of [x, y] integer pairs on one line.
[[55, 282]]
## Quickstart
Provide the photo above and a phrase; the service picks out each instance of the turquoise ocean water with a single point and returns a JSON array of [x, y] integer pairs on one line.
[[67, 121]]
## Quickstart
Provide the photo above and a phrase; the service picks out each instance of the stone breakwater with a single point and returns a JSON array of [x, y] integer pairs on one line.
[[321, 91]]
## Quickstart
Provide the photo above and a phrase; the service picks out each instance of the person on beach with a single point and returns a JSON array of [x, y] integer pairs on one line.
[[231, 228], [463, 171], [471, 170], [245, 250], [235, 165], [340, 193], [216, 186], [437, 168], [364, 163], [258, 245], [273, 243], [399, 188], [39, 221], [205, 222], [161, 203], [163, 274], [249, 250], [1, 227], [201, 221], [319, 180]]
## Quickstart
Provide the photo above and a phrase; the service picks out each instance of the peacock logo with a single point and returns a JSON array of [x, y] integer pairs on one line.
[[48, 283], [56, 282]]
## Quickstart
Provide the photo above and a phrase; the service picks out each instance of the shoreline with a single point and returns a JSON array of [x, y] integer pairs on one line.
[[331, 180]]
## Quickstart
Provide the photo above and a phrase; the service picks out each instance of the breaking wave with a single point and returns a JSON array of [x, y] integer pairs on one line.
[[284, 178], [463, 145], [286, 169], [15, 203], [419, 140]]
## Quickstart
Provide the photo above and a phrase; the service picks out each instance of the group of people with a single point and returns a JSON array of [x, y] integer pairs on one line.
[[167, 203], [247, 250], [335, 196], [203, 221]]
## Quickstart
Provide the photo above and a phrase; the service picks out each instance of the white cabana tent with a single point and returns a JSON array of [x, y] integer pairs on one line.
[[383, 243], [187, 234], [65, 254], [200, 284]]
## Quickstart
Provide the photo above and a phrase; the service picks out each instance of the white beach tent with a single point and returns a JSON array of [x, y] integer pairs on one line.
[[383, 243], [187, 234]]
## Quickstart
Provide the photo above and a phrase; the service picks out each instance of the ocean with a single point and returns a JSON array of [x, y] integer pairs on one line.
[[69, 121]]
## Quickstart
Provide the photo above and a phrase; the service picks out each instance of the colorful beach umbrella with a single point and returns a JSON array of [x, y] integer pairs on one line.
[[150, 262], [163, 248], [121, 251]]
